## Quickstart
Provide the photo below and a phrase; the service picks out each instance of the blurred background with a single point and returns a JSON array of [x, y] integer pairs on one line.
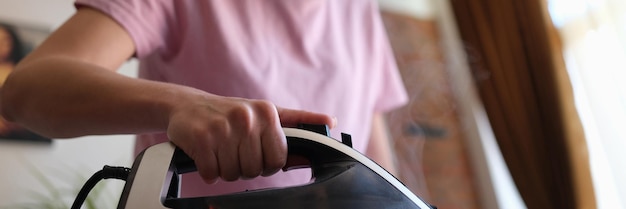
[[513, 104], [44, 174]]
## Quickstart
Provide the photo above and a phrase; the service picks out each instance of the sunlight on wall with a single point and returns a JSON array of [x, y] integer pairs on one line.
[[595, 54], [416, 8]]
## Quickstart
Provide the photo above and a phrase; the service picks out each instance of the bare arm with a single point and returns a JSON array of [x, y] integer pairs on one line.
[[74, 66], [379, 147], [67, 87]]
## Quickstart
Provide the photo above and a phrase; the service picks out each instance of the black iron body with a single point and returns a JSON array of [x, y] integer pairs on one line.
[[342, 178]]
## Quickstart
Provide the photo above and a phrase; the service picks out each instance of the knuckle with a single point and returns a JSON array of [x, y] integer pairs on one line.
[[194, 140], [241, 115], [197, 131], [264, 108], [218, 127]]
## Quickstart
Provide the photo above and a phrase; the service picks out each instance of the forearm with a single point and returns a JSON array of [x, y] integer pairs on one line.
[[61, 97], [379, 147]]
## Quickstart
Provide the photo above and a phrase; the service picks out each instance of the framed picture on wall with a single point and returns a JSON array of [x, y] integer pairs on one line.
[[16, 41]]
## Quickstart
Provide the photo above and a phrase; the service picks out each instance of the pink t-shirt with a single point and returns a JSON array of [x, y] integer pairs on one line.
[[328, 56]]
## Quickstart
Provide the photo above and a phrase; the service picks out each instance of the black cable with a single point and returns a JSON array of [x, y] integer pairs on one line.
[[107, 172]]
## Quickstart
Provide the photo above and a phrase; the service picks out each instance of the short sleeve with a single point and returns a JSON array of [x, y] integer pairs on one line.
[[392, 93], [390, 90], [146, 22]]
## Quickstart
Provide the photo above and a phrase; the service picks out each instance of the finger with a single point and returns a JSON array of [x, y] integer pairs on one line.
[[228, 160], [274, 152], [274, 146], [208, 167], [291, 118], [250, 156], [198, 148]]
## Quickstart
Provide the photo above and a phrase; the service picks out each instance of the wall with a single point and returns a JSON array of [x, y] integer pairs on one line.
[[428, 139], [420, 9], [65, 163], [453, 106]]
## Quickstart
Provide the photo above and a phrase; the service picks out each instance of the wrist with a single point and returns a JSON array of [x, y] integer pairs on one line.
[[175, 99]]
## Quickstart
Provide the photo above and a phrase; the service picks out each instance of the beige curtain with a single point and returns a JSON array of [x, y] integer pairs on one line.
[[528, 98], [594, 44]]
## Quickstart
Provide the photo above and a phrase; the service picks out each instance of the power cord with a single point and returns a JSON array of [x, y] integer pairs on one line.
[[108, 172]]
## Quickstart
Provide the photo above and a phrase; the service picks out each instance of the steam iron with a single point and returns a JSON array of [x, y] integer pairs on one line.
[[341, 178]]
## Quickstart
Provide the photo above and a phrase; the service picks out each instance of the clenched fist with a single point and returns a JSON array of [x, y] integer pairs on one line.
[[235, 138]]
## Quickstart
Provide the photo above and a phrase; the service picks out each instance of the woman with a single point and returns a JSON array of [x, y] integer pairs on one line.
[[218, 79], [11, 52]]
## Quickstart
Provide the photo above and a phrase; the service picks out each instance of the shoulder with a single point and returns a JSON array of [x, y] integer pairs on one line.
[[149, 23]]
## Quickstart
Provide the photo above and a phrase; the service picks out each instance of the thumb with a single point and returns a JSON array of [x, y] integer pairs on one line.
[[291, 118]]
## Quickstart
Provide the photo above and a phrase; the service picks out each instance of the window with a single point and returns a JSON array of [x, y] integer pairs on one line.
[[594, 38]]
